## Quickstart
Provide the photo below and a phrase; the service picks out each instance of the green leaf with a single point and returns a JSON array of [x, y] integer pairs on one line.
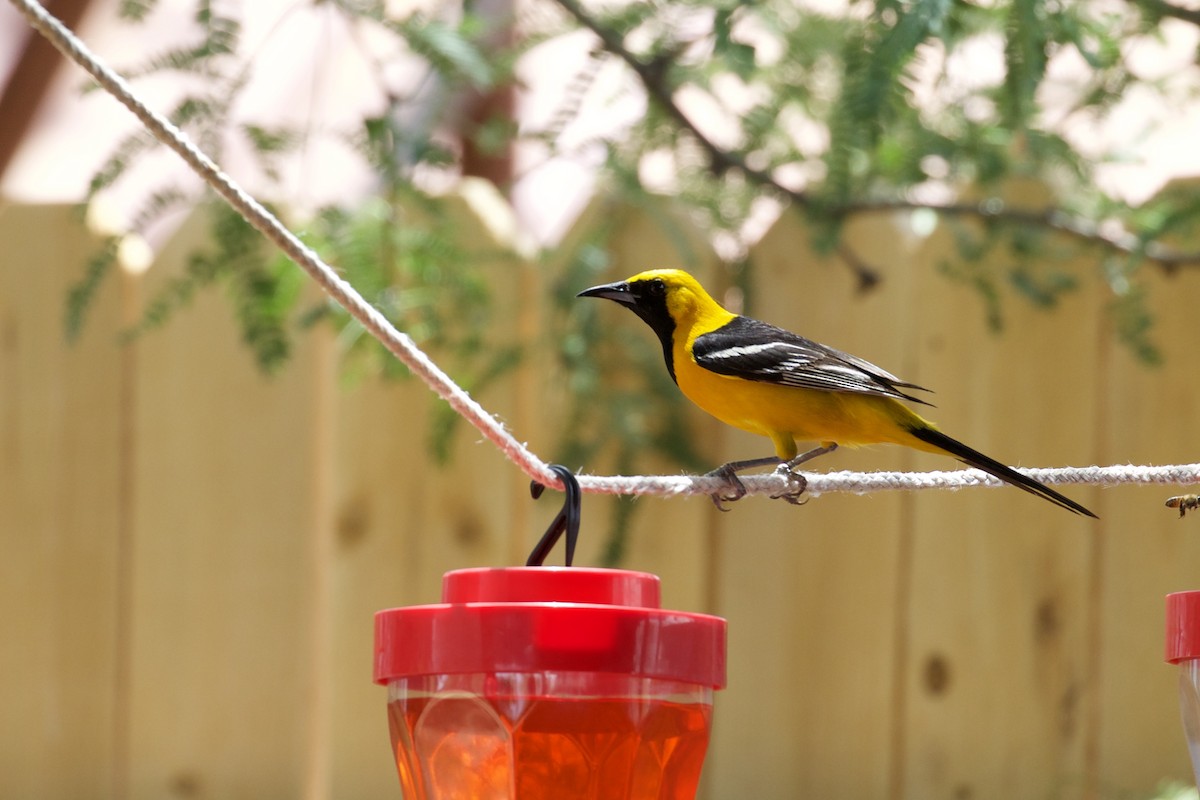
[[271, 140], [1043, 290], [135, 10], [1025, 59], [158, 204], [1130, 313], [118, 161], [452, 53], [83, 292], [738, 56]]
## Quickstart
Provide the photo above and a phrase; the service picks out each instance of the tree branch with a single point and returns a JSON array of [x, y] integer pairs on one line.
[[1050, 218], [1165, 9], [653, 76], [868, 277]]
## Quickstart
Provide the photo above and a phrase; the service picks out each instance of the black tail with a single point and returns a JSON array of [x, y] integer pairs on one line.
[[991, 466]]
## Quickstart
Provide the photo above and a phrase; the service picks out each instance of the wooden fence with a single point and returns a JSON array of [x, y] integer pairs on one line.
[[193, 552]]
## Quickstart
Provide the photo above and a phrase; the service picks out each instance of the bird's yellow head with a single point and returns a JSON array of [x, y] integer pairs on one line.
[[658, 296], [668, 300]]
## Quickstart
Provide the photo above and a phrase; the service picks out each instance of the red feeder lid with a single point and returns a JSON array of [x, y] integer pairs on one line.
[[1183, 626], [529, 619]]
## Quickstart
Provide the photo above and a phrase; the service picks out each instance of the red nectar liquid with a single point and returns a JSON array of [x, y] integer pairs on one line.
[[459, 745]]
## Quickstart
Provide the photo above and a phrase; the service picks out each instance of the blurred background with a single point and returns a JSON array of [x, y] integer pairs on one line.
[[211, 478]]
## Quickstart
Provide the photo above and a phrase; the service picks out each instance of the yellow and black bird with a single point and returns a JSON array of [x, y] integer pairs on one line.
[[774, 383]]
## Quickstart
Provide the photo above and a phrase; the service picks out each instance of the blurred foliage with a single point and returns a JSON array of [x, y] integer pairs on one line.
[[1171, 790], [923, 106]]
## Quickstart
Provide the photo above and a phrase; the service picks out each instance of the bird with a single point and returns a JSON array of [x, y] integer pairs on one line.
[[769, 381]]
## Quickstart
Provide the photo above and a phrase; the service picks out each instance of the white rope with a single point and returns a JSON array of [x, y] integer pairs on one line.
[[403, 347], [869, 482]]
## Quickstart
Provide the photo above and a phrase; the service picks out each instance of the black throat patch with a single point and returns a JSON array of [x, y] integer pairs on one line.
[[653, 311]]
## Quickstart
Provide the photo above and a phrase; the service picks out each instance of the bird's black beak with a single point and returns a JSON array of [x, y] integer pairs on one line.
[[617, 292]]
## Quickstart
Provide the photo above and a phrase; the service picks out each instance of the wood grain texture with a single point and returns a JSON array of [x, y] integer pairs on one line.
[[1148, 551], [214, 637], [999, 664], [61, 469], [225, 516]]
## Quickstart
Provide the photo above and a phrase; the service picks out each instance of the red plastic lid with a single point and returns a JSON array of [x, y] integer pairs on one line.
[[528, 619], [1183, 626]]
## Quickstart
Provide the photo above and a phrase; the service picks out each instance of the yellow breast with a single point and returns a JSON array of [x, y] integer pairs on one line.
[[786, 414]]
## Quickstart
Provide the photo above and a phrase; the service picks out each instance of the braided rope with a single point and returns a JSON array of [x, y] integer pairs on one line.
[[868, 482], [403, 347]]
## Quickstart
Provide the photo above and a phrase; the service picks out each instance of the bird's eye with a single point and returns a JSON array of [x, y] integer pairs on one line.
[[657, 288]]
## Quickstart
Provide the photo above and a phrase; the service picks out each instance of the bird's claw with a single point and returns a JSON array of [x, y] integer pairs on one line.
[[734, 489], [797, 483]]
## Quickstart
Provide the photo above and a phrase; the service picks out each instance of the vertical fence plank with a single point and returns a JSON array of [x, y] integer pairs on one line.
[[809, 592], [60, 476], [390, 551], [223, 545], [1148, 550], [998, 660]]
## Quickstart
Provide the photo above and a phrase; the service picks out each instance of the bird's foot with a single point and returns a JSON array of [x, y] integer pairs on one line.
[[734, 488], [797, 483]]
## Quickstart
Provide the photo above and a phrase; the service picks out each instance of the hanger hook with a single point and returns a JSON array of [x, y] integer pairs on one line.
[[567, 519]]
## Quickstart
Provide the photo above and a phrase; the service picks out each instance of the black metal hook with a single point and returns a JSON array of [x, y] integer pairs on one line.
[[566, 520]]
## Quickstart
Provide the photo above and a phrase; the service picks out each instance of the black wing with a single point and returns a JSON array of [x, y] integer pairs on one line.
[[755, 351]]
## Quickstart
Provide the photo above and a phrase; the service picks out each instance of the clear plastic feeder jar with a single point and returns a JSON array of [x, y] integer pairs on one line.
[[546, 683], [1183, 648]]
